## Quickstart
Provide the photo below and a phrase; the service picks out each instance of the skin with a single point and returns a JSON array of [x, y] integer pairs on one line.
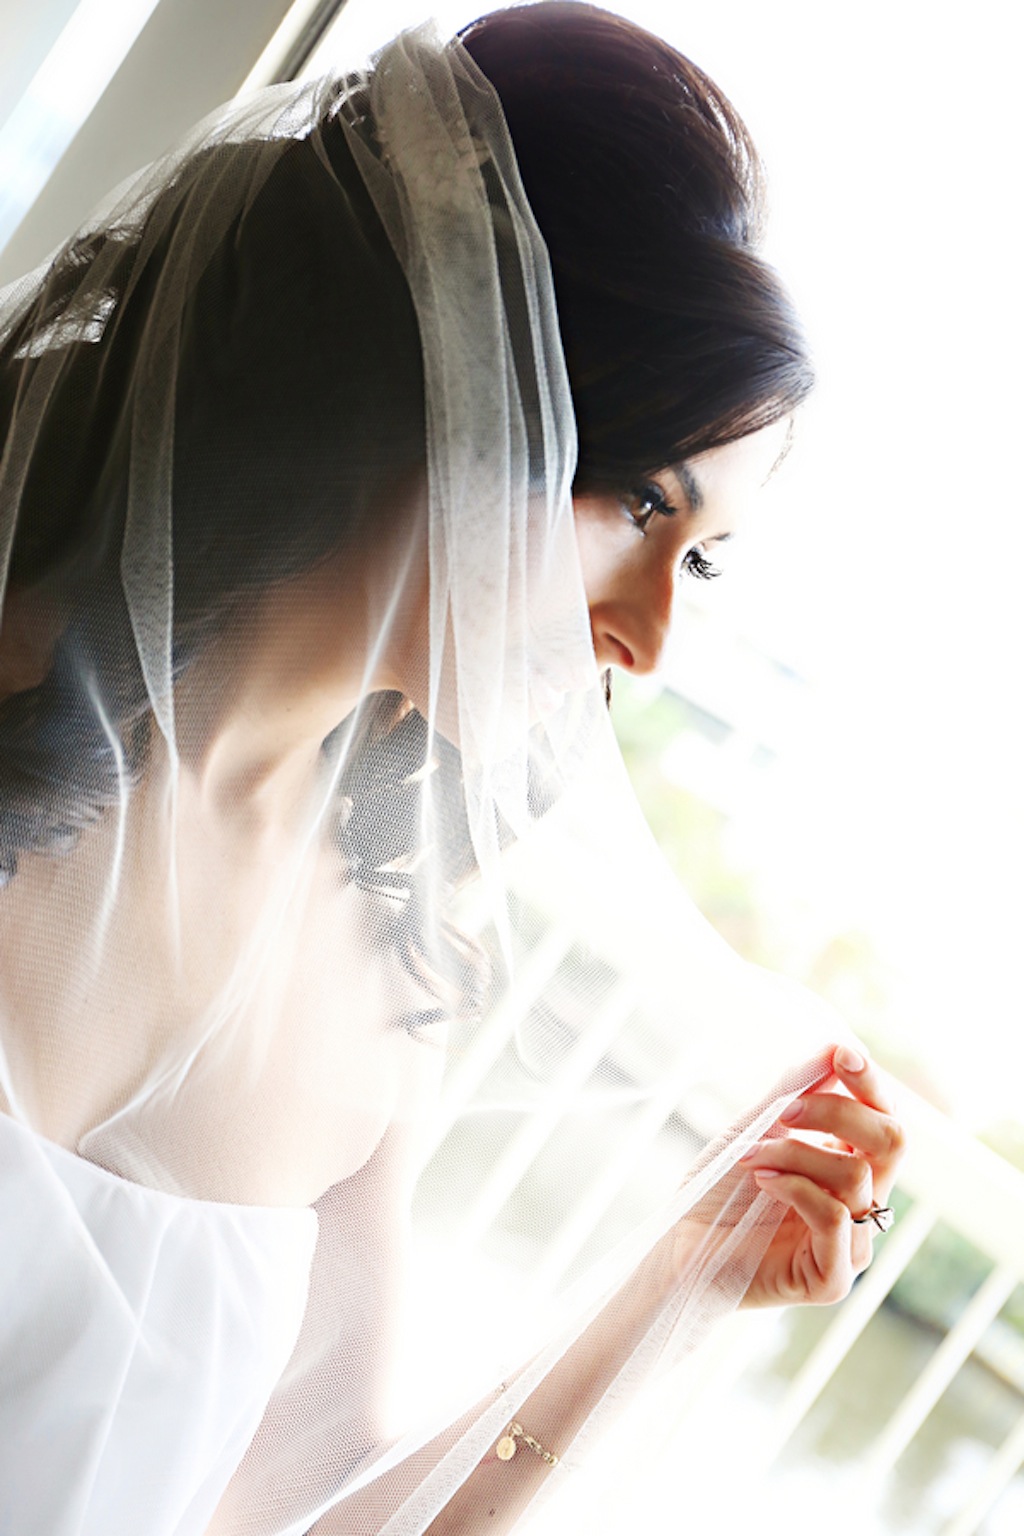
[[250, 718], [632, 568], [633, 561], [250, 727], [818, 1250], [814, 1257]]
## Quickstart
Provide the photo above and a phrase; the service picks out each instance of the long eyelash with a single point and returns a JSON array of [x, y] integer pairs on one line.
[[697, 564], [647, 501]]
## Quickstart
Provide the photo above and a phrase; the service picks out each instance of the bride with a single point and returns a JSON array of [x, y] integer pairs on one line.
[[345, 453]]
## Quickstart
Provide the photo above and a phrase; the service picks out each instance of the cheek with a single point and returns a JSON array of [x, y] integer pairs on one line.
[[607, 545]]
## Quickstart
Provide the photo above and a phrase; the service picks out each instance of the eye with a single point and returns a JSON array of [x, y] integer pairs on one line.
[[646, 502], [696, 563]]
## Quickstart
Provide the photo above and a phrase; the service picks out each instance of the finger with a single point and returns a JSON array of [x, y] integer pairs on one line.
[[848, 1177], [876, 1135], [857, 1197], [864, 1080], [823, 1266]]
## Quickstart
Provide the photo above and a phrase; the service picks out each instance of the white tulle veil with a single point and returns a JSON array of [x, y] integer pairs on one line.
[[459, 1006]]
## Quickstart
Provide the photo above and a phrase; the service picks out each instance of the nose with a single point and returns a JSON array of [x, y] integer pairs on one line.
[[632, 631]]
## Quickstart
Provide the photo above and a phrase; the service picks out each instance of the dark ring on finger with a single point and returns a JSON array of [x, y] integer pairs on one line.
[[883, 1217]]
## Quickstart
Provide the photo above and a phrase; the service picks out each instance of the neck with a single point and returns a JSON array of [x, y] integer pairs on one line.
[[254, 709]]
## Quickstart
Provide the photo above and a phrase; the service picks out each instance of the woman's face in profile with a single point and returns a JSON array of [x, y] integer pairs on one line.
[[635, 550]]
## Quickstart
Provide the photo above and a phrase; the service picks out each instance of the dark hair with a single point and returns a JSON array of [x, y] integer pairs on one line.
[[650, 196], [648, 193]]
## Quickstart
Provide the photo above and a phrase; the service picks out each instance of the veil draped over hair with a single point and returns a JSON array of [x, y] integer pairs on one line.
[[352, 1063]]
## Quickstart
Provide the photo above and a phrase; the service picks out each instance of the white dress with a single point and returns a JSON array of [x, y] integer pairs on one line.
[[141, 1335]]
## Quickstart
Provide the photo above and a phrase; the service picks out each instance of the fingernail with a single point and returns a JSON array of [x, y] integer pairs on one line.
[[850, 1060], [748, 1157], [791, 1115], [766, 1173]]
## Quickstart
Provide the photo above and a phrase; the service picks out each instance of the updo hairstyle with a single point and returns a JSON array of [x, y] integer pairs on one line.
[[299, 396]]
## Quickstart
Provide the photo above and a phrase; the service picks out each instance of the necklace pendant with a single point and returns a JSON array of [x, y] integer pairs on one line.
[[506, 1448]]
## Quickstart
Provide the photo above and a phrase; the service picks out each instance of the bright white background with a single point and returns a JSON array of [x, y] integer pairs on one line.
[[887, 564]]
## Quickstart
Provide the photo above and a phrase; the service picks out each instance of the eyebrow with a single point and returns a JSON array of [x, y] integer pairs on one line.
[[694, 495]]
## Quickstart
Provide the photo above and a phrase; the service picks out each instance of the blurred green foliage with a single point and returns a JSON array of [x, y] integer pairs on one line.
[[941, 1280], [763, 922], [691, 833], [844, 966]]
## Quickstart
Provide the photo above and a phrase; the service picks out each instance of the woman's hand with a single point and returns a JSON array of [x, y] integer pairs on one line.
[[818, 1250]]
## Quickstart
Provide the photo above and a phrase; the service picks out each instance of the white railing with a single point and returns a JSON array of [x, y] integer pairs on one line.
[[948, 1176]]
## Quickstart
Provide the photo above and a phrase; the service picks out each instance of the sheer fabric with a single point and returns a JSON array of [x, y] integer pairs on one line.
[[355, 1045]]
